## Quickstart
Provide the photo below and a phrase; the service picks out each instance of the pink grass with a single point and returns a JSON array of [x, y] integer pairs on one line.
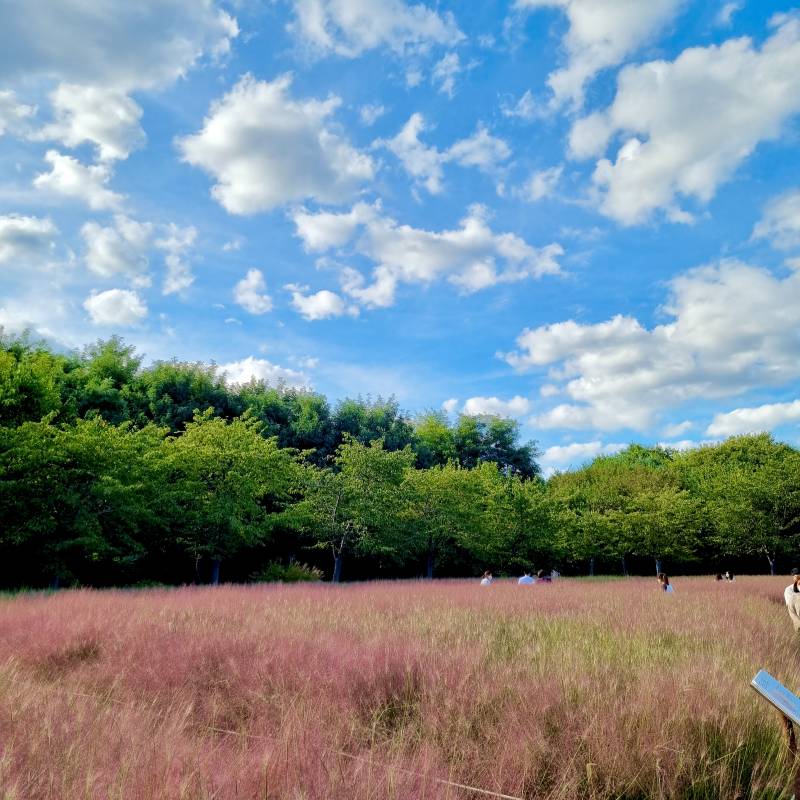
[[579, 689]]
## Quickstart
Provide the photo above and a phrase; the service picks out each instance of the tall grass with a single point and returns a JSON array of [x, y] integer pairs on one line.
[[591, 690]]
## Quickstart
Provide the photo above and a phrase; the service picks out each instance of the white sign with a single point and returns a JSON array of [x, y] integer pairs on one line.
[[776, 693]]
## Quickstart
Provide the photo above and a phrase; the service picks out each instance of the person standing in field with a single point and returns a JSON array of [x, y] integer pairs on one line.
[[527, 579], [663, 579], [486, 580], [791, 594]]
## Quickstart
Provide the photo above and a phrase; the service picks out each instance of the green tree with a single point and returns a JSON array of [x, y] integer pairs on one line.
[[81, 495], [229, 485], [356, 504]]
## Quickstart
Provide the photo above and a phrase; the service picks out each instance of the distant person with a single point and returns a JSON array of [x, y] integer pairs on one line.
[[527, 579], [486, 580], [718, 577], [554, 574], [543, 577], [729, 576], [791, 594], [663, 579]]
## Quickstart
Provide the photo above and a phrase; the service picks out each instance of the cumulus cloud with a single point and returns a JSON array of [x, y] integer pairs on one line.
[[780, 223], [724, 16], [541, 184], [70, 178], [371, 113], [26, 241], [525, 108], [176, 242], [495, 407], [445, 72], [450, 405], [259, 369], [351, 27], [733, 328], [319, 305], [250, 293], [115, 307], [472, 256], [754, 420], [121, 45], [118, 249], [578, 452], [14, 115], [107, 118], [601, 34], [688, 124], [265, 148], [425, 163]]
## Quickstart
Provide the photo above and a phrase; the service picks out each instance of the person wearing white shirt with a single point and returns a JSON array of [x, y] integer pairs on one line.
[[791, 594], [527, 579], [486, 580]]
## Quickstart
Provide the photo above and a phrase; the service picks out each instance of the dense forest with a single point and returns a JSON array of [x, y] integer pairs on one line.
[[112, 473]]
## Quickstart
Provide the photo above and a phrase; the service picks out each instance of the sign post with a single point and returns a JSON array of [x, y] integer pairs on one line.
[[788, 705]]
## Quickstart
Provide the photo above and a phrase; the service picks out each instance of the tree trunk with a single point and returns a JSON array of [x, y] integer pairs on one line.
[[431, 558], [771, 560], [658, 566], [624, 566], [215, 562], [337, 568], [591, 567]]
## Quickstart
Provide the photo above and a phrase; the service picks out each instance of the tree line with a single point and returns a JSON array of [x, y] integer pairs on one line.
[[116, 474]]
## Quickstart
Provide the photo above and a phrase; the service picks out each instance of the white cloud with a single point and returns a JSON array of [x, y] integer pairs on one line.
[[469, 257], [425, 163], [733, 328], [26, 241], [107, 118], [495, 407], [481, 150], [688, 124], [601, 34], [175, 243], [780, 223], [115, 307], [724, 17], [671, 431], [264, 149], [323, 304], [350, 27], [686, 444], [541, 184], [450, 405], [250, 293], [13, 114], [578, 452], [232, 245], [121, 45], [70, 178], [754, 420], [118, 249], [525, 108], [445, 73], [259, 369], [371, 113]]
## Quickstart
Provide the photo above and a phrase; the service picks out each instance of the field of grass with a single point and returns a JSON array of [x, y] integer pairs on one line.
[[390, 690]]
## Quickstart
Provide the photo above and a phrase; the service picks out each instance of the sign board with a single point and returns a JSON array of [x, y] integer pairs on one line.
[[776, 693]]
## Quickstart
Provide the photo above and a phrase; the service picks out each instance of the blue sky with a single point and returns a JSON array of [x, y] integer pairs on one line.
[[584, 214]]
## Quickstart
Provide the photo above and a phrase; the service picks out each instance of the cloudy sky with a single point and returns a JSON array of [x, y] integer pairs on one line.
[[584, 214]]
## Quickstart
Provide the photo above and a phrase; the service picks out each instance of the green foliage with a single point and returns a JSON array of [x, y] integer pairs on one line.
[[289, 573], [112, 472]]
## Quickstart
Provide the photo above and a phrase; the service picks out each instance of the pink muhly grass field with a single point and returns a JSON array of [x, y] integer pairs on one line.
[[591, 689]]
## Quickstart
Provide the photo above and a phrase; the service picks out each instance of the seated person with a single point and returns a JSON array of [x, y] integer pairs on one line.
[[527, 579], [543, 577]]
